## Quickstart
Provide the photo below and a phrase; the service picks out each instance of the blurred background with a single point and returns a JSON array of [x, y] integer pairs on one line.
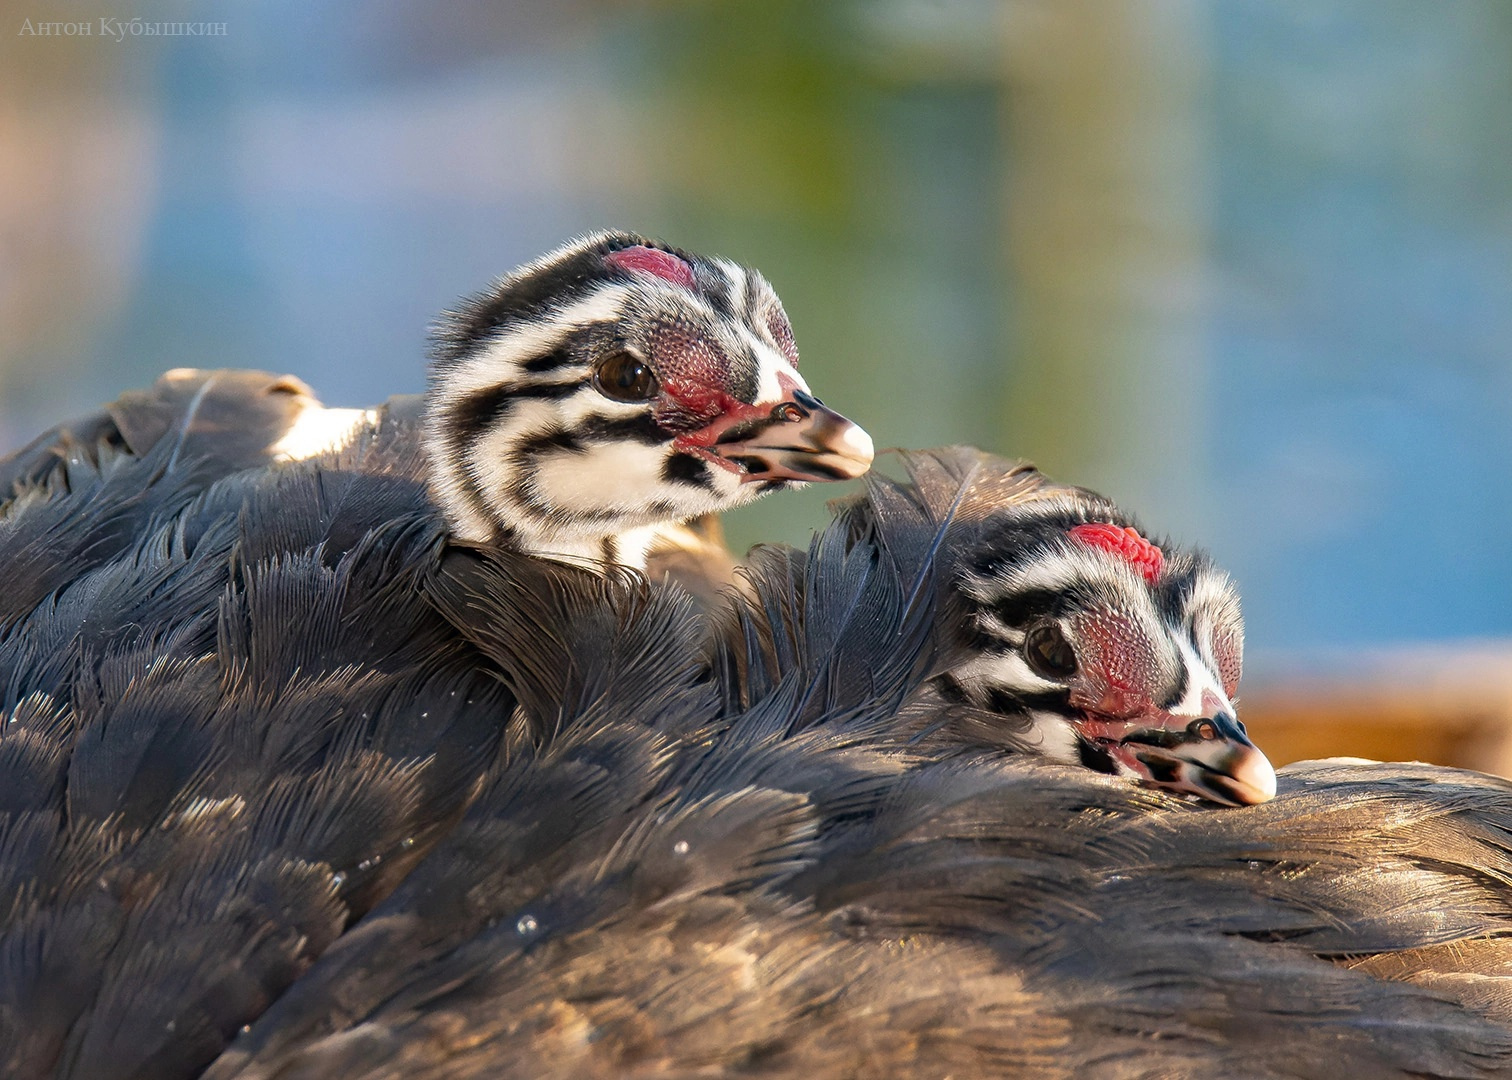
[[1244, 265]]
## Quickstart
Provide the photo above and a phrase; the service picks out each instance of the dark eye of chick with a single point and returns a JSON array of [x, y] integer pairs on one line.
[[1049, 653], [622, 376]]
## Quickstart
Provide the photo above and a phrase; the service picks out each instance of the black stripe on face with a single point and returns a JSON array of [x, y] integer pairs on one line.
[[523, 492], [641, 428], [748, 301], [553, 391], [556, 358], [474, 414], [487, 315], [1001, 701], [472, 491], [558, 440], [716, 290], [689, 470], [1020, 609], [503, 535], [1095, 757], [1183, 678], [579, 345], [478, 412], [1047, 701], [1010, 702], [950, 689], [464, 421], [1174, 596]]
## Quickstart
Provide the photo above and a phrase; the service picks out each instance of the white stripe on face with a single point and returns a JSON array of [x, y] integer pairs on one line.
[[622, 477], [577, 410], [1202, 687], [1056, 571], [618, 475], [1056, 739], [735, 277], [1006, 671], [499, 361], [1214, 604], [772, 368], [489, 457]]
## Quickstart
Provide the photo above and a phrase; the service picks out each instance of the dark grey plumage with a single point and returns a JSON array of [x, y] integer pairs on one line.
[[795, 890], [212, 761], [281, 789]]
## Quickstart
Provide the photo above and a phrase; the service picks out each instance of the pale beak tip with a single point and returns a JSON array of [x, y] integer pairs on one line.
[[861, 447], [1259, 776], [1229, 769], [814, 443], [1248, 779], [851, 453]]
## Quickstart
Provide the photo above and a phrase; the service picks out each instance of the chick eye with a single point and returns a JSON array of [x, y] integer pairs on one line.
[[1049, 653], [622, 376]]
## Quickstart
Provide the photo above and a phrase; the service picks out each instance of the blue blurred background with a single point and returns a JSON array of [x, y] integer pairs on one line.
[[1244, 265]]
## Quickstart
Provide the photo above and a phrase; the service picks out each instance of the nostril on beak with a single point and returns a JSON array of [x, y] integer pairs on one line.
[[1220, 725], [797, 439]]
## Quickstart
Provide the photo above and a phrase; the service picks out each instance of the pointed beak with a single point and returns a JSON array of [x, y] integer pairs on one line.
[[1211, 757], [801, 439]]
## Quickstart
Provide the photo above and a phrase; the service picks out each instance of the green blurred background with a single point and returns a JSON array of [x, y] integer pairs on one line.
[[1245, 265]]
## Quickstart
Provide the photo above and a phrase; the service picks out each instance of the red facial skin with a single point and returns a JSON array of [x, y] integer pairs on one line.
[[782, 333], [1121, 679], [727, 412], [1117, 666], [694, 401], [694, 372], [1126, 544], [1118, 673], [661, 264], [1228, 655], [1122, 675], [1109, 733]]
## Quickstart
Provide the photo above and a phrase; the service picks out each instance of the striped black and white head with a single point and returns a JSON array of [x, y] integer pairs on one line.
[[617, 385], [1100, 648]]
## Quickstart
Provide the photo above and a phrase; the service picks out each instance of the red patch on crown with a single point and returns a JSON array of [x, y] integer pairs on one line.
[[1127, 544], [645, 260]]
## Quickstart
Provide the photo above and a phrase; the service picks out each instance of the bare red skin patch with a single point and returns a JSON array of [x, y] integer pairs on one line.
[[782, 334], [699, 442], [1119, 664], [727, 412], [1228, 654], [1125, 543], [661, 264], [695, 401]]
